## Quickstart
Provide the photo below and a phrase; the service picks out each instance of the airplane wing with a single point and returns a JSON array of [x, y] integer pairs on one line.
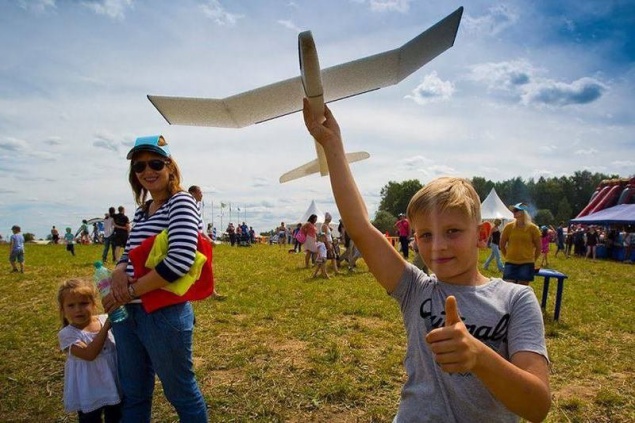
[[314, 166], [341, 81]]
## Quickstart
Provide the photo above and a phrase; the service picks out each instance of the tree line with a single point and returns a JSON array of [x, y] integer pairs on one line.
[[554, 199]]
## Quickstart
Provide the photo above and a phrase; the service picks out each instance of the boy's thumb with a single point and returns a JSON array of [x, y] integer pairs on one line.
[[451, 311]]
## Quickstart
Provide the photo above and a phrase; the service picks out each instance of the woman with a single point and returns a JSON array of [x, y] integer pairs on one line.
[[330, 247], [161, 341], [520, 244], [310, 245], [493, 242]]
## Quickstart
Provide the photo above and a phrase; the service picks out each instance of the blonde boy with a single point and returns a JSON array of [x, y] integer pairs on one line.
[[486, 363]]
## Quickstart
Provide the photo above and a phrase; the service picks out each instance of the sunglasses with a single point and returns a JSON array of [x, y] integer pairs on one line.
[[156, 164]]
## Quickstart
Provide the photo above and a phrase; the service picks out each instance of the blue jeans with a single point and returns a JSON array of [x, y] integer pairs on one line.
[[159, 342], [108, 244], [495, 254]]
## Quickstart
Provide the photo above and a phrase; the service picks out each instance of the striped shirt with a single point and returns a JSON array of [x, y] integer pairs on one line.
[[180, 216]]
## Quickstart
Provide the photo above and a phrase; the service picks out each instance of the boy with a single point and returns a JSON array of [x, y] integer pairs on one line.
[[320, 262], [70, 241], [489, 364], [16, 249]]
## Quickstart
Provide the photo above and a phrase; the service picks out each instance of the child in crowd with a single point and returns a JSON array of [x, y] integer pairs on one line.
[[90, 373], [320, 261], [486, 364], [16, 249], [70, 241], [544, 246]]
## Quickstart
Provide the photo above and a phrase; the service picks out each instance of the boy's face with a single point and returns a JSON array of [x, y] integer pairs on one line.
[[448, 244]]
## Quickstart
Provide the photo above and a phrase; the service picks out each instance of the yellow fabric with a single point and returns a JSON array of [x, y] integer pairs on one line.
[[521, 245], [160, 250]]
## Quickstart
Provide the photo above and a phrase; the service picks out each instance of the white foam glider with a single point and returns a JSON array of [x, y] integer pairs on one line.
[[318, 85]]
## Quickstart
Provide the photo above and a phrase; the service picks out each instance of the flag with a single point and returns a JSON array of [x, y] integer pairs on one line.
[[222, 205]]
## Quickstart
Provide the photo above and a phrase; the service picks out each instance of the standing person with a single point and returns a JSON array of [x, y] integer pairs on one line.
[[16, 249], [70, 241], [282, 234], [591, 241], [494, 242], [83, 233], [403, 229], [109, 229], [91, 386], [320, 261], [55, 235], [231, 231], [520, 244], [310, 244], [544, 246], [560, 239], [329, 241], [121, 230], [297, 245], [197, 194], [158, 342], [351, 253], [475, 375]]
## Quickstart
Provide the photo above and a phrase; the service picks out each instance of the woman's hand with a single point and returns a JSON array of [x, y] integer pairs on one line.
[[119, 294]]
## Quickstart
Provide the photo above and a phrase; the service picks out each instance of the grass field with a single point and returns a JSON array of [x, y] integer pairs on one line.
[[283, 347]]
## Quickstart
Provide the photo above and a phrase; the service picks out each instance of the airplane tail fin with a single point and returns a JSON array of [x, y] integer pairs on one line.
[[314, 167]]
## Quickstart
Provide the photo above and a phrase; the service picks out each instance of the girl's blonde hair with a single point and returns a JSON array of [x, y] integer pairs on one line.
[[77, 287], [446, 193]]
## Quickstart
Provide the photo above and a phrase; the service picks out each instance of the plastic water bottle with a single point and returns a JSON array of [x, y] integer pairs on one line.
[[102, 279]]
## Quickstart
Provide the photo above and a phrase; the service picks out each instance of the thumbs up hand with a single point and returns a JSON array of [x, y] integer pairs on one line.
[[454, 348]]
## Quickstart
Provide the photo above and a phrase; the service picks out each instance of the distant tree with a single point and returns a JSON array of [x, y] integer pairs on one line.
[[384, 221], [544, 217], [395, 196], [563, 211], [28, 237], [482, 186]]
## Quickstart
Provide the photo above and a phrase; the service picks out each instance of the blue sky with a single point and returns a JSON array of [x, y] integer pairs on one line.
[[529, 89]]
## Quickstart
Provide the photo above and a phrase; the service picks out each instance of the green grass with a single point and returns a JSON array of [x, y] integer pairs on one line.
[[285, 347]]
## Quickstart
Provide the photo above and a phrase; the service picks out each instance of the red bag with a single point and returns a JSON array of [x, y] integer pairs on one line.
[[159, 298], [300, 236]]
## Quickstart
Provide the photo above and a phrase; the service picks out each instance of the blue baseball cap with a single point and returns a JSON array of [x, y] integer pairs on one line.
[[154, 143], [519, 206]]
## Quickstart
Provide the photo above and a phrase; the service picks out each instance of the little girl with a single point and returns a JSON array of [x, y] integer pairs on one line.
[[90, 372], [320, 262], [544, 246]]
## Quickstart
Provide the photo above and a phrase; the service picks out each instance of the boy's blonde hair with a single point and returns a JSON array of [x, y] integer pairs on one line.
[[445, 193], [78, 287]]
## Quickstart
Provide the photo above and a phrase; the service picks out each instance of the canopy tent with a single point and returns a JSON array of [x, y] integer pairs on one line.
[[623, 214], [313, 209], [494, 208]]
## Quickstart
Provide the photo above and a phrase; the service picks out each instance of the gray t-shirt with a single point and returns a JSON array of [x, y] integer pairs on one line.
[[504, 316]]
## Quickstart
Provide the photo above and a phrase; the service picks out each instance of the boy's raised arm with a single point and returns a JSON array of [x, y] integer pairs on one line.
[[382, 259]]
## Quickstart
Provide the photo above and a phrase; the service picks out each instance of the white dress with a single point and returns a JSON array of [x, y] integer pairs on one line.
[[89, 385]]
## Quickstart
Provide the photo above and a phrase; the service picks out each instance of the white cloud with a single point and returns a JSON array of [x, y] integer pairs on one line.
[[290, 25], [587, 152], [115, 9], [432, 89], [400, 6], [215, 11], [525, 84], [13, 145], [553, 93], [497, 19], [37, 6]]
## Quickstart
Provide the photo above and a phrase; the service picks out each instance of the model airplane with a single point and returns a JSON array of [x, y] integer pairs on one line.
[[318, 85]]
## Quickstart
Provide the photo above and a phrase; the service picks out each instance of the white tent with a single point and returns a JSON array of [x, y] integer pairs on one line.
[[494, 208], [313, 209]]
